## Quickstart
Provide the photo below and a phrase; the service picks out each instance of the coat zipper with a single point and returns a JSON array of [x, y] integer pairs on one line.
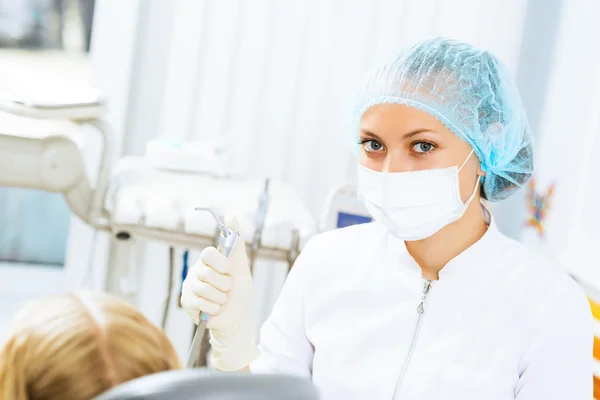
[[420, 311]]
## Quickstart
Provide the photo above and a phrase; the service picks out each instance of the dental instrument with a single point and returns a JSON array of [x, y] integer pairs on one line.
[[259, 224], [228, 240]]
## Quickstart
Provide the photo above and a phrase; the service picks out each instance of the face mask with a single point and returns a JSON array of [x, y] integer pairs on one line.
[[416, 204]]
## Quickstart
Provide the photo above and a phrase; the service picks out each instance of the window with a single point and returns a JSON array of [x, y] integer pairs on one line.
[[43, 34]]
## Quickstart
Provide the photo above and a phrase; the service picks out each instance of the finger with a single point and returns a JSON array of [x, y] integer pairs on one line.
[[204, 273], [215, 260], [207, 291], [196, 305], [193, 315]]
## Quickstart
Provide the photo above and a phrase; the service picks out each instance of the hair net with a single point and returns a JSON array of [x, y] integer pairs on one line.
[[472, 94]]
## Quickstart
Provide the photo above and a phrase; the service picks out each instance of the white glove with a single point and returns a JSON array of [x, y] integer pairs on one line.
[[224, 288]]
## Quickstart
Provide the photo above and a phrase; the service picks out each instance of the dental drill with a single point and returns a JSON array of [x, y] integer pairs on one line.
[[227, 241]]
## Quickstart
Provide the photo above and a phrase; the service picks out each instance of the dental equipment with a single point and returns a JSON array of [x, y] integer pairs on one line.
[[210, 156], [86, 105], [197, 355], [190, 384], [132, 200], [228, 240], [45, 155], [343, 208], [165, 314], [259, 224]]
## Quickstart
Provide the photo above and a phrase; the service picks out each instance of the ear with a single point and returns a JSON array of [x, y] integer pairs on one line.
[[480, 171]]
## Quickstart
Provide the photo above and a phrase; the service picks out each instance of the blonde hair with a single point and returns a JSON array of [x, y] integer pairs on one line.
[[76, 346]]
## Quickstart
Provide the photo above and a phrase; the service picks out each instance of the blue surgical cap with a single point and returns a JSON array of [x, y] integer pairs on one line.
[[472, 94]]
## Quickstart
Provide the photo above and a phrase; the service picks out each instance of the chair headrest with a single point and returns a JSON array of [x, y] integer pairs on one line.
[[201, 384]]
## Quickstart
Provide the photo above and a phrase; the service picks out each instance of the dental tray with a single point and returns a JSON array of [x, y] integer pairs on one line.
[[159, 204]]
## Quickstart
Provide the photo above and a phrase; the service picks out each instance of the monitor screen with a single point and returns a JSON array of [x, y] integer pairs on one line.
[[346, 219]]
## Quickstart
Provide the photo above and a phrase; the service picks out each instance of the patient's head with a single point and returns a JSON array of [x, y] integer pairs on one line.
[[76, 346]]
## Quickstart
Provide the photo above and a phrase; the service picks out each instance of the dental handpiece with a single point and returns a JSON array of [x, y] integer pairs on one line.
[[227, 241]]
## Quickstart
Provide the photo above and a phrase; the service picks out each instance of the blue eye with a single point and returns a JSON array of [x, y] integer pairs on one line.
[[372, 145], [423, 147]]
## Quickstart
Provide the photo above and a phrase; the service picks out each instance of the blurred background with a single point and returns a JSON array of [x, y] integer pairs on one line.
[[273, 80]]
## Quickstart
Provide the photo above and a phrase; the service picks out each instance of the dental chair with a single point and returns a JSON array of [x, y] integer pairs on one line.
[[40, 148], [197, 384]]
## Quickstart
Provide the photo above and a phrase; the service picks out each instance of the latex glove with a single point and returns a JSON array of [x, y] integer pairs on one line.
[[224, 288]]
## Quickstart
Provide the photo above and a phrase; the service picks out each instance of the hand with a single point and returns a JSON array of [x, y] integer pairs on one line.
[[224, 289]]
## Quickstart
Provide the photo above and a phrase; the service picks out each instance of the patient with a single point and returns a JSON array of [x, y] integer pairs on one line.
[[76, 346]]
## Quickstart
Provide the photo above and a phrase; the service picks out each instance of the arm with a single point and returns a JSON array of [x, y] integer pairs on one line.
[[284, 346], [223, 288], [558, 364]]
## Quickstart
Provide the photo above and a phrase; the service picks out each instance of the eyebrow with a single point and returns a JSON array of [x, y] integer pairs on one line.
[[405, 136]]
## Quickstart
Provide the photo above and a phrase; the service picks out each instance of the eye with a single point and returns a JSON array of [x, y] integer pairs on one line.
[[372, 145], [423, 147]]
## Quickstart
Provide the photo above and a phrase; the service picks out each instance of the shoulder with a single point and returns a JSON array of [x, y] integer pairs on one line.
[[539, 285], [549, 313]]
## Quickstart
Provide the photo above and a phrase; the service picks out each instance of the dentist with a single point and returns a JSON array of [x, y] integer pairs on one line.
[[430, 301]]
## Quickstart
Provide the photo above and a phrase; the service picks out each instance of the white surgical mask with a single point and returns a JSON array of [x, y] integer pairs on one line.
[[414, 205]]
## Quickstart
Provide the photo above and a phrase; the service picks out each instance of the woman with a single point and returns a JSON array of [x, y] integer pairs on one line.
[[78, 346], [431, 301]]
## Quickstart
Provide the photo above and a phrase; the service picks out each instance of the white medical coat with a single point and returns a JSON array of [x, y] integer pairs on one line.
[[499, 324]]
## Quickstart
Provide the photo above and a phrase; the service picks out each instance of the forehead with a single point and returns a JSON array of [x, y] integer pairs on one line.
[[398, 118]]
